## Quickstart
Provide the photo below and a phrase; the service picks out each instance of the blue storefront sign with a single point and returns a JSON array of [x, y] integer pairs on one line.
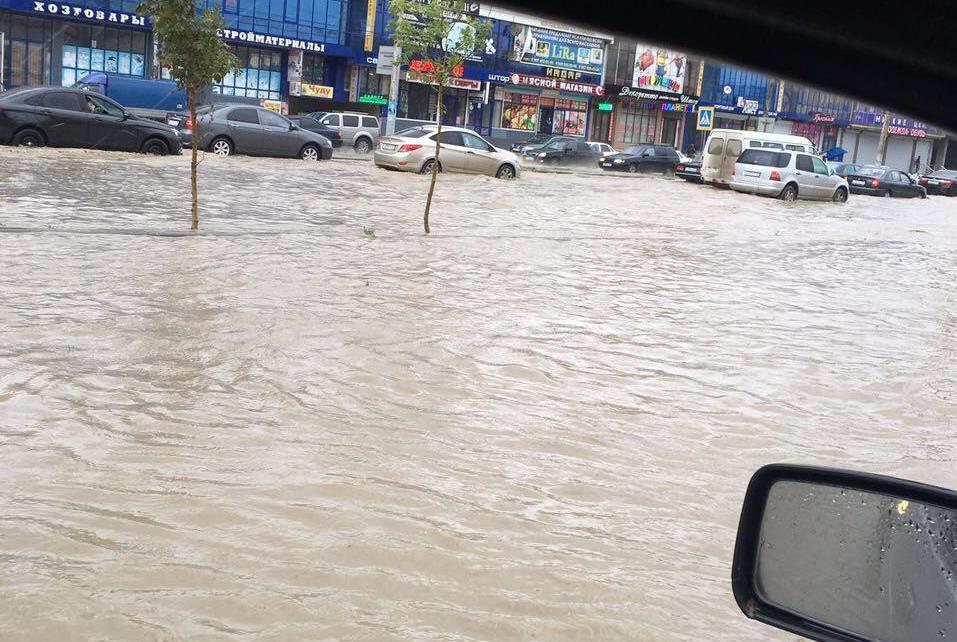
[[75, 12]]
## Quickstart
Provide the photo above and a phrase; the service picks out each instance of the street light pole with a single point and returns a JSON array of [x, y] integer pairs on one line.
[[882, 142]]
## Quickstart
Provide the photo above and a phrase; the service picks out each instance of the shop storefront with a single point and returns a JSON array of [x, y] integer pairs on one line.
[[647, 116], [909, 143], [56, 43], [59, 44]]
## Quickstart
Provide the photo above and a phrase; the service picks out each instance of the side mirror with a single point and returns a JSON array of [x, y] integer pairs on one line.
[[127, 115], [293, 127], [839, 556]]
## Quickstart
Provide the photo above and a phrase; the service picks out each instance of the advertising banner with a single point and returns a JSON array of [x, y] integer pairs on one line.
[[637, 93], [659, 69], [557, 49]]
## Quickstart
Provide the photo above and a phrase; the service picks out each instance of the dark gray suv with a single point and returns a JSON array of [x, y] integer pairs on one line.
[[247, 129]]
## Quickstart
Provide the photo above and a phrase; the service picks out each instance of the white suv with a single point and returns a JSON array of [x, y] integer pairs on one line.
[[787, 175], [359, 131]]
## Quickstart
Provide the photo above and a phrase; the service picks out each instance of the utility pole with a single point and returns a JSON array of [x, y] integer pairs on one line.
[[394, 92], [2, 49], [882, 141]]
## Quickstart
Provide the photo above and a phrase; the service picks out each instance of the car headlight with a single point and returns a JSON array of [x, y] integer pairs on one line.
[[618, 161], [542, 155]]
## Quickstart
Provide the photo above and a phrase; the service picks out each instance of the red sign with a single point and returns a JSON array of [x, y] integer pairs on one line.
[[428, 67], [454, 83], [558, 84]]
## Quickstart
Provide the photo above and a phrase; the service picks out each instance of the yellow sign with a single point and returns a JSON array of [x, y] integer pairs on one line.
[[319, 91], [273, 105], [370, 25]]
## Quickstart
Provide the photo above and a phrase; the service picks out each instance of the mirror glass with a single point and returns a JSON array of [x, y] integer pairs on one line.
[[880, 567]]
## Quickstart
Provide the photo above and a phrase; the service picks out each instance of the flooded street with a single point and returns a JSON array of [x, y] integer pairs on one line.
[[312, 422]]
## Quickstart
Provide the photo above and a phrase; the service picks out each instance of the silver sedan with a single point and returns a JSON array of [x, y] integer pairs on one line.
[[462, 150]]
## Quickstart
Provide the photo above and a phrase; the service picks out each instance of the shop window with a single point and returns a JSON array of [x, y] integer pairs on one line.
[[313, 69], [637, 122], [520, 111], [570, 117], [112, 50], [259, 75], [26, 52]]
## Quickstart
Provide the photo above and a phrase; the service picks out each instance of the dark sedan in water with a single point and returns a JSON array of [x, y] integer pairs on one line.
[[657, 159], [311, 124], [246, 129], [943, 182], [884, 181], [690, 170], [67, 117]]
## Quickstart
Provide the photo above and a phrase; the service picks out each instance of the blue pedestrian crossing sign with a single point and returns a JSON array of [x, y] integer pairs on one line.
[[705, 119]]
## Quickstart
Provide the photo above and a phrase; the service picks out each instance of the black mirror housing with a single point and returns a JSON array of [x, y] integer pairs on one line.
[[840, 556]]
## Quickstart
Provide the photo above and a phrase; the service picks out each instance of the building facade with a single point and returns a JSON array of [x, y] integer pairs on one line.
[[530, 77]]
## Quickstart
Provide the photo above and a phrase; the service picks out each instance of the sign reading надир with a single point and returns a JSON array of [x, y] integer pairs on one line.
[[557, 49]]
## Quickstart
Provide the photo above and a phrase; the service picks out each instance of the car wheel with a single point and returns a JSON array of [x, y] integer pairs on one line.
[[363, 146], [221, 147], [888, 194], [427, 167], [28, 138], [156, 147], [310, 153], [789, 194], [632, 169], [923, 194], [506, 172], [840, 196]]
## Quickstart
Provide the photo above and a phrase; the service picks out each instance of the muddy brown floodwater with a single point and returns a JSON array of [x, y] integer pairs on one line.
[[536, 424]]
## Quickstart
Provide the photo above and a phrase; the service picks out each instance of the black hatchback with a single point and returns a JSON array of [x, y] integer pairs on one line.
[[67, 117]]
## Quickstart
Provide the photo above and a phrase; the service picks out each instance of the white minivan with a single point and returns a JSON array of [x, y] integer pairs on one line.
[[725, 145]]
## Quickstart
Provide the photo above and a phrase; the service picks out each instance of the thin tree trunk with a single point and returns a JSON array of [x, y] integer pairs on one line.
[[435, 165], [191, 97]]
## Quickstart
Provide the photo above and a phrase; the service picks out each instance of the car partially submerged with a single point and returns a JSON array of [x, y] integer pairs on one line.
[[461, 150]]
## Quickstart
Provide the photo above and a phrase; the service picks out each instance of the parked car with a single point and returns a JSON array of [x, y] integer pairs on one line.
[[311, 124], [871, 180], [603, 148], [723, 147], [233, 128], [658, 159], [535, 141], [413, 150], [843, 169], [531, 150], [567, 153], [357, 130], [690, 170], [943, 182], [788, 176], [69, 117]]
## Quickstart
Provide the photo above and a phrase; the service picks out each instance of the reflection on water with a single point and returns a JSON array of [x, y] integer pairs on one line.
[[536, 424]]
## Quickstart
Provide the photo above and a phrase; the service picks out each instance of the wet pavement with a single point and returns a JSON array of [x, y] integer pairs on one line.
[[312, 422]]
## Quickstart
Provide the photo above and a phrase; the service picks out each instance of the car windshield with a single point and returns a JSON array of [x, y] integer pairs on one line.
[[346, 382]]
